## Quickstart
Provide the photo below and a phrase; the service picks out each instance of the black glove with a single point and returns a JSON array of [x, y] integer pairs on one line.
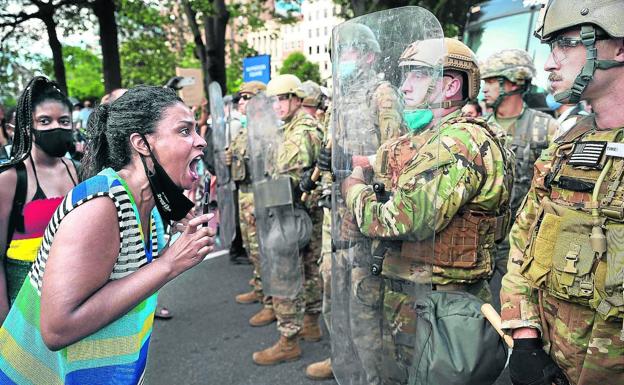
[[324, 160], [530, 365], [306, 184]]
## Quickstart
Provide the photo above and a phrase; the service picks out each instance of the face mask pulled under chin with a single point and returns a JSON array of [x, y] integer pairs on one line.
[[55, 142], [172, 204]]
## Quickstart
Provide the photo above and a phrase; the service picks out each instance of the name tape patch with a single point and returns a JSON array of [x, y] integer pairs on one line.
[[615, 149]]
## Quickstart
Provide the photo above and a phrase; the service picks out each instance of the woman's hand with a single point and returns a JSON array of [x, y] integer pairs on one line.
[[191, 247]]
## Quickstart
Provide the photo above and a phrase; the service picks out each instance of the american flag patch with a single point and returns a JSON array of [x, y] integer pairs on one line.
[[587, 154]]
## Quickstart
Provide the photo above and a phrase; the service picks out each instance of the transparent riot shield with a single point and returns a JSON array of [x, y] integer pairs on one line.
[[225, 185], [370, 99], [276, 224]]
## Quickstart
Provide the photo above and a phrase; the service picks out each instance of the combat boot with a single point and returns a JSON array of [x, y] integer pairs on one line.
[[311, 331], [285, 349], [247, 298], [321, 370], [263, 317]]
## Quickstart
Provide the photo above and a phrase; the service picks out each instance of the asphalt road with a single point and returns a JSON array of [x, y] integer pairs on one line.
[[208, 341]]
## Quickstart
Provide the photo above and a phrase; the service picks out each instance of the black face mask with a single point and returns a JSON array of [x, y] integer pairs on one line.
[[172, 204], [55, 142]]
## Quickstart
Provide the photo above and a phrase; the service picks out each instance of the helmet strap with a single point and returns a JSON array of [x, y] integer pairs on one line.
[[573, 95], [502, 94]]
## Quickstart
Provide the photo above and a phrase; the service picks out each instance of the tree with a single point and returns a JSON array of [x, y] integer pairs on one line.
[[84, 73], [450, 13], [234, 71], [297, 64]]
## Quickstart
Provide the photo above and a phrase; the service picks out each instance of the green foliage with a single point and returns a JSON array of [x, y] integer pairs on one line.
[[146, 60], [297, 64], [234, 71], [84, 73], [188, 59]]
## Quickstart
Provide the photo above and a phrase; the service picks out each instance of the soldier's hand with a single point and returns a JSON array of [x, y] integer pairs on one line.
[[324, 162], [356, 177], [306, 184], [227, 157], [530, 365]]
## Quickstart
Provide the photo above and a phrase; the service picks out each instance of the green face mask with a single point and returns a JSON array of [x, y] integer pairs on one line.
[[243, 121], [416, 120]]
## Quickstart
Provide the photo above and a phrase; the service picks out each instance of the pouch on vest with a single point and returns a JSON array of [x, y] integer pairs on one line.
[[561, 258], [239, 172]]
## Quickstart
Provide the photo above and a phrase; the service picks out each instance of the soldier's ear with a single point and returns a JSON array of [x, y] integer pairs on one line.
[[619, 52]]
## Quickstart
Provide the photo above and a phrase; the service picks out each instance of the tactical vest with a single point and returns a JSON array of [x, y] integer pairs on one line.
[[240, 159], [529, 140], [463, 251], [576, 248]]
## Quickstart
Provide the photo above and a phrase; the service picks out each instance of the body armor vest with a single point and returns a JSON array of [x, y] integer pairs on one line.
[[576, 248], [463, 251]]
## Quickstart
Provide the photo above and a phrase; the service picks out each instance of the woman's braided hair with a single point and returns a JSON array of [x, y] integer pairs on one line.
[[110, 126], [40, 89]]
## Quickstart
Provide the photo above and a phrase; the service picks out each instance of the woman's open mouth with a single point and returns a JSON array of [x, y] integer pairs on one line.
[[193, 168]]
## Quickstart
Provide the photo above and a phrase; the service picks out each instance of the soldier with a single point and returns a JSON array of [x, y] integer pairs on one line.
[[562, 299], [237, 157], [297, 314], [457, 191], [507, 77], [369, 101]]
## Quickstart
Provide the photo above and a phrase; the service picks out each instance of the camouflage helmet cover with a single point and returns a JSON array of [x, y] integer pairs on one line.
[[252, 87], [558, 15], [285, 84], [313, 93], [358, 36], [457, 57], [514, 65]]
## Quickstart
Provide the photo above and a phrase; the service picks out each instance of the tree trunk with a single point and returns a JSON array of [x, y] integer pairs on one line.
[[104, 10], [214, 27], [200, 48], [57, 51]]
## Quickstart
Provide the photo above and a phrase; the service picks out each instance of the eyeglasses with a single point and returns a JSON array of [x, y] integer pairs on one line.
[[560, 47], [246, 96], [283, 97]]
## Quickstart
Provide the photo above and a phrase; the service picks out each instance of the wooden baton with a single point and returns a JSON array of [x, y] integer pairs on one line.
[[490, 313]]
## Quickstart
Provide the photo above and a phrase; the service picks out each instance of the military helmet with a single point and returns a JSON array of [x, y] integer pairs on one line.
[[313, 93], [558, 15], [284, 85], [358, 36], [252, 87], [457, 57], [514, 65]]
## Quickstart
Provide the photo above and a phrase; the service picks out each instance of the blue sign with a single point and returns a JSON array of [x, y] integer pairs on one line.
[[257, 68]]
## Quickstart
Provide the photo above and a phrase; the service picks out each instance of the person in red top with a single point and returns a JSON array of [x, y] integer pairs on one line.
[[32, 189]]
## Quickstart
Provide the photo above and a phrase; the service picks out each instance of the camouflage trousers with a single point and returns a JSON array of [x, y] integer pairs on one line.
[[398, 327], [250, 242], [326, 266], [586, 347], [289, 312]]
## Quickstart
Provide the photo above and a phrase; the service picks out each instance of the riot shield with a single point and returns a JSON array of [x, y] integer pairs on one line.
[[225, 185], [368, 77], [276, 223]]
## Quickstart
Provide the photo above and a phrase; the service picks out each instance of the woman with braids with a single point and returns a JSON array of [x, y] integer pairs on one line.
[[84, 314], [36, 183]]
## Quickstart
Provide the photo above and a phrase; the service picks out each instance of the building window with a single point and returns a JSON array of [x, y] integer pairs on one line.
[[318, 32], [325, 66], [325, 30], [310, 50], [310, 33], [318, 49]]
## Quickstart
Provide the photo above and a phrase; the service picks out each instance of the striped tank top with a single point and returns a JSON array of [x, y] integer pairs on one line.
[[116, 354]]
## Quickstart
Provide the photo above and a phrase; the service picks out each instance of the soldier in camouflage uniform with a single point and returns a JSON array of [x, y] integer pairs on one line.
[[507, 77], [562, 298], [237, 158], [468, 178], [378, 105], [297, 318]]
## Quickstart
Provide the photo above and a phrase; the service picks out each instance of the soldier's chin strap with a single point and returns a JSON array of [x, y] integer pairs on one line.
[[588, 38], [502, 94], [448, 104]]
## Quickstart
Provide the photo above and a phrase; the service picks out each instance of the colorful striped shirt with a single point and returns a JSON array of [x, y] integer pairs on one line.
[[117, 353]]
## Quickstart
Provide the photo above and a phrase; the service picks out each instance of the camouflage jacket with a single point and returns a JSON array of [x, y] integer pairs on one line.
[[300, 149], [240, 157], [556, 183], [527, 137], [468, 171]]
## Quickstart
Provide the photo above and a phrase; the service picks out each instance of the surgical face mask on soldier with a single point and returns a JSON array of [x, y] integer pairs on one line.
[[553, 105], [243, 121], [346, 69], [416, 120]]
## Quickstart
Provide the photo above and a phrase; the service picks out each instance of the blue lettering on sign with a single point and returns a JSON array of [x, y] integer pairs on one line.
[[257, 68]]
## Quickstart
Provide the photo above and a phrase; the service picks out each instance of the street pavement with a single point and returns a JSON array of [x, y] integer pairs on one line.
[[208, 340]]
